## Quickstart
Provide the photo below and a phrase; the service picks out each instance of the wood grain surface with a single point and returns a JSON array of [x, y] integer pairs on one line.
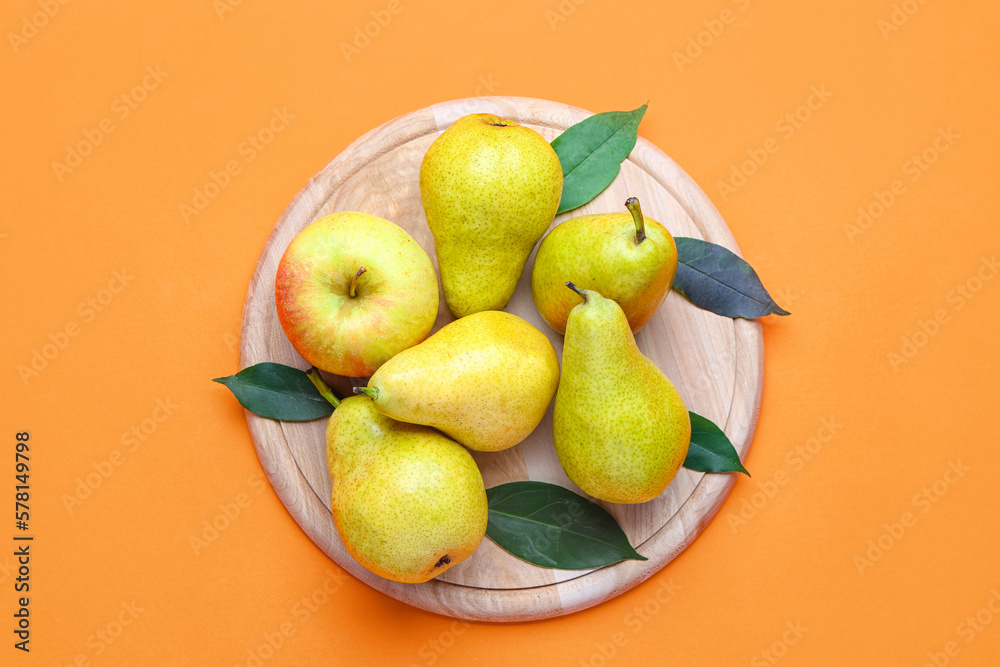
[[716, 363]]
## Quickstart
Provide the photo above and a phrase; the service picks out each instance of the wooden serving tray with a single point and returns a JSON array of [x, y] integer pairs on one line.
[[716, 363]]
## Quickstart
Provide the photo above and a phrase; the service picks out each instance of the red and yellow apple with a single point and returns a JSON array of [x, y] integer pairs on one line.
[[352, 290]]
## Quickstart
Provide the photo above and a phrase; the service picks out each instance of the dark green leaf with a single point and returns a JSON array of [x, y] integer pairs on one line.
[[591, 153], [277, 391], [716, 279], [710, 449], [551, 526]]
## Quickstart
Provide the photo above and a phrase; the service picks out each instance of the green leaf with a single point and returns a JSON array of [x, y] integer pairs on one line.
[[551, 526], [710, 449], [716, 279], [591, 153], [277, 391]]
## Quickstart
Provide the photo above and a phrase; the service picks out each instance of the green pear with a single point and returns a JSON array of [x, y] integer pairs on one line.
[[490, 188], [409, 503], [624, 256], [620, 427], [486, 380]]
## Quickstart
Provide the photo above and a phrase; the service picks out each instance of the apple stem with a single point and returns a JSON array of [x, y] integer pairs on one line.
[[632, 204], [370, 392], [322, 387], [583, 295], [354, 280]]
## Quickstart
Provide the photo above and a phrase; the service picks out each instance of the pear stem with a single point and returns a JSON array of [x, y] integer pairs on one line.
[[632, 204], [370, 392], [354, 280], [583, 295], [322, 387]]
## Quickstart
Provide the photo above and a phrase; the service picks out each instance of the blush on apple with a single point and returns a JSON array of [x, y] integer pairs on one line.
[[353, 290]]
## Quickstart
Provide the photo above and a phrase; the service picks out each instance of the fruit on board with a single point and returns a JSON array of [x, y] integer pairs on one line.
[[624, 256], [352, 290], [490, 188], [409, 503], [486, 380], [619, 425]]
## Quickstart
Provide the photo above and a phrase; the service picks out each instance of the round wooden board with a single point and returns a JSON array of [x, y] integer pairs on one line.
[[716, 362]]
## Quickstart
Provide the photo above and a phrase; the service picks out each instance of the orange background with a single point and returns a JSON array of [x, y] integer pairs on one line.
[[881, 428]]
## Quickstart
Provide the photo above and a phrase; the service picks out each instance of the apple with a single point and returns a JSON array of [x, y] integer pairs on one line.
[[352, 290]]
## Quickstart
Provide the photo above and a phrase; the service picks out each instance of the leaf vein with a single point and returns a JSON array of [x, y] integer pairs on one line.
[[711, 277], [565, 530], [599, 147]]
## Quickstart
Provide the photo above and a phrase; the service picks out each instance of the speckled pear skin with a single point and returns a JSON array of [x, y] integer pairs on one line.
[[490, 188], [620, 427], [409, 503], [599, 252], [486, 380]]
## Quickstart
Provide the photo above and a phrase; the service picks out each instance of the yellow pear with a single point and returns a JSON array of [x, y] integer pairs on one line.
[[409, 503], [490, 188], [486, 380], [624, 256], [620, 427]]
